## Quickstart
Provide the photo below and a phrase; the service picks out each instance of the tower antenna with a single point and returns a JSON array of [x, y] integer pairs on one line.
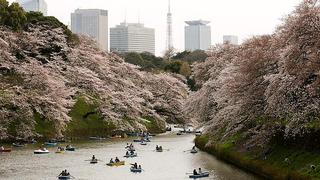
[[169, 28]]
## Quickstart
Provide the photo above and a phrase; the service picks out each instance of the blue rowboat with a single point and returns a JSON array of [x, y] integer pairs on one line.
[[135, 170], [19, 145], [131, 155], [51, 144], [64, 177], [202, 175]]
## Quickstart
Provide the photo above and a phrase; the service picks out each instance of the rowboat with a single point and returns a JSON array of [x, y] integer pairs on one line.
[[201, 175], [131, 155], [70, 148], [159, 150], [60, 151], [64, 177], [51, 144], [41, 151], [96, 138], [5, 150], [135, 170], [121, 163], [143, 143], [93, 161], [194, 151], [19, 145]]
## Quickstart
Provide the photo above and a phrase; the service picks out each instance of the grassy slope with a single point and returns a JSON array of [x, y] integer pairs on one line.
[[87, 120], [273, 166]]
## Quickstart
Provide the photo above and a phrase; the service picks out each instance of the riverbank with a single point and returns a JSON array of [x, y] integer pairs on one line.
[[281, 163]]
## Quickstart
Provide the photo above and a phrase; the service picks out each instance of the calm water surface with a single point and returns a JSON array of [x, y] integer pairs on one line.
[[172, 164]]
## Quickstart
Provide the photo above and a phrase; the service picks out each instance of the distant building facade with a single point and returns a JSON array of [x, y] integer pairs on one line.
[[93, 23], [197, 35], [132, 37], [230, 39], [34, 5]]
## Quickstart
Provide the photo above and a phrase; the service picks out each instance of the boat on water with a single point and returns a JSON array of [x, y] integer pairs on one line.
[[130, 155], [4, 150], [135, 170], [121, 163], [93, 161], [50, 144], [143, 143], [201, 175], [96, 138], [159, 150], [194, 151], [60, 150], [19, 145], [70, 148], [42, 151], [65, 177]]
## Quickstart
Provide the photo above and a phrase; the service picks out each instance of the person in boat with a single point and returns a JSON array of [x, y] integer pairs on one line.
[[200, 171], [127, 153], [111, 161], [64, 173], [160, 148], [157, 147], [135, 165], [139, 167], [117, 160], [194, 148], [93, 157], [195, 172], [132, 152]]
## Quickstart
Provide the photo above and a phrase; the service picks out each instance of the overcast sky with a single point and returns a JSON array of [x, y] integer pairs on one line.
[[243, 18]]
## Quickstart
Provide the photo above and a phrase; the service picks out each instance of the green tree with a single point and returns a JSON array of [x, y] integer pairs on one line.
[[181, 55], [185, 69], [174, 66], [16, 17], [134, 58], [3, 10], [197, 55]]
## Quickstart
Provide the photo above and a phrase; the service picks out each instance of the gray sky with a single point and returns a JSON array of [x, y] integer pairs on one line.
[[243, 18]]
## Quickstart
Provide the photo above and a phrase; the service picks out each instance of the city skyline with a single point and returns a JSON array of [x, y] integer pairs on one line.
[[227, 17]]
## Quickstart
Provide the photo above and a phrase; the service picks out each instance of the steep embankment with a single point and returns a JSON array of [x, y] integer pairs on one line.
[[49, 88], [260, 101]]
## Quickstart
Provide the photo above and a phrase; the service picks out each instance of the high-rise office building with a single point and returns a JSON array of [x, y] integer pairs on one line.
[[132, 37], [93, 23], [34, 5], [197, 35], [230, 39]]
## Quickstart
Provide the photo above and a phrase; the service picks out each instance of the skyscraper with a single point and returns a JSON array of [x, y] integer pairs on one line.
[[230, 39], [34, 5], [169, 29], [197, 35], [132, 37], [93, 23]]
